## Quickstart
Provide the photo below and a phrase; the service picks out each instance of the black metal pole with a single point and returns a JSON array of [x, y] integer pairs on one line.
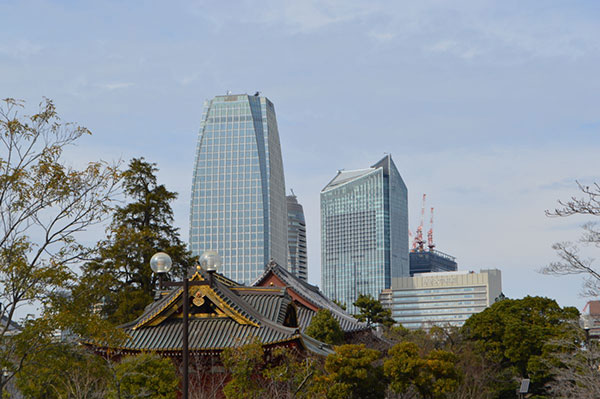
[[186, 300]]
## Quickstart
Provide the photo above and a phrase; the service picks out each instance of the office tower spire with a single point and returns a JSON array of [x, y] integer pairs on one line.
[[238, 205], [364, 232]]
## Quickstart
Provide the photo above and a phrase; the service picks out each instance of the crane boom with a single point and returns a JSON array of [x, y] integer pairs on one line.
[[430, 243]]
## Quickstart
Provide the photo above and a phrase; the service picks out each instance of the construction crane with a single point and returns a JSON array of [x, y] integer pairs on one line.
[[419, 238], [430, 243], [413, 240]]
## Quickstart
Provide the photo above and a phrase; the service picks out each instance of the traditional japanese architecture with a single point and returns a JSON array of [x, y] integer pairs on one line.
[[222, 314], [307, 298]]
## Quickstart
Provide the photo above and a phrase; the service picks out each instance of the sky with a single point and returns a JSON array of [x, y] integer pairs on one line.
[[488, 107]]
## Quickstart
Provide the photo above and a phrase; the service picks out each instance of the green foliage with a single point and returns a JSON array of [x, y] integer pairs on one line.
[[351, 373], [434, 376], [518, 335], [372, 311], [277, 373], [340, 304], [244, 363], [64, 371], [325, 328], [146, 376], [44, 205], [121, 274]]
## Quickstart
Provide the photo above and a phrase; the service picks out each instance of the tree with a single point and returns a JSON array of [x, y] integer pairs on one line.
[[434, 376], [64, 370], [351, 373], [325, 328], [571, 261], [575, 370], [121, 273], [145, 376], [44, 205], [518, 335], [244, 363], [372, 311], [275, 373]]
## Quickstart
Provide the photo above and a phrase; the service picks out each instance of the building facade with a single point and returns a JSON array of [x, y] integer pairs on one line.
[[297, 256], [238, 205], [447, 298], [431, 261], [364, 232]]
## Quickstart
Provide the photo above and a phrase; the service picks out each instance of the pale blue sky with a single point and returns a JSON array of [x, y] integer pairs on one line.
[[491, 108]]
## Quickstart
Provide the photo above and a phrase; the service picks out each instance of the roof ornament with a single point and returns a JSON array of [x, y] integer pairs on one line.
[[271, 264]]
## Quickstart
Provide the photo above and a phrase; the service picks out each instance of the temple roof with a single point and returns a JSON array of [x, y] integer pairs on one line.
[[222, 314], [313, 296]]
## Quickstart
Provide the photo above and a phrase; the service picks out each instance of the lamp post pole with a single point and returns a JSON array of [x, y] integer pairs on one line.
[[186, 351], [161, 263]]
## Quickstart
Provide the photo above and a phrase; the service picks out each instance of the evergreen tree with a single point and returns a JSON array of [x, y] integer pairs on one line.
[[325, 328], [521, 335], [372, 311], [121, 274]]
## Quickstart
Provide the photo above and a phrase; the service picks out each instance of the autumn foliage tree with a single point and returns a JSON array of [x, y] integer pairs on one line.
[[44, 205]]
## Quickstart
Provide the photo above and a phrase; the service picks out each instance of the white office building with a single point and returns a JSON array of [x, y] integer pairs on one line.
[[447, 298]]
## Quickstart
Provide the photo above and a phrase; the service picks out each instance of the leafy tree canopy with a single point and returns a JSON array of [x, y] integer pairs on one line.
[[371, 311], [325, 328], [352, 373], [146, 376], [434, 376], [519, 334], [44, 205]]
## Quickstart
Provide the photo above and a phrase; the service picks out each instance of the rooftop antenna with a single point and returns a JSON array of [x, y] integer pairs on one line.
[[292, 190]]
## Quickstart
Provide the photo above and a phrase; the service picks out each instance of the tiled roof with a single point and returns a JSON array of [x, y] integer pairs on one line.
[[313, 295], [243, 313]]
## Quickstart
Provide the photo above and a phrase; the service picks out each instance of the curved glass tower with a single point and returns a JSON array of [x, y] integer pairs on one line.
[[238, 204]]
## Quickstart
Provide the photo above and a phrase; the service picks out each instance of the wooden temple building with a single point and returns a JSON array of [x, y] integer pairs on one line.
[[222, 314], [308, 299]]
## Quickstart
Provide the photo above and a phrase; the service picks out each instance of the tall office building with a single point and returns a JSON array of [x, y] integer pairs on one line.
[[364, 232], [297, 260], [238, 205]]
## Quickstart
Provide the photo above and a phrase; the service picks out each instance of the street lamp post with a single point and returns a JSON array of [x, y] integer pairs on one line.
[[161, 263]]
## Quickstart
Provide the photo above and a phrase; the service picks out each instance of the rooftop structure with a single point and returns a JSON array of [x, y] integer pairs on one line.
[[445, 298], [222, 314], [307, 298], [590, 319], [431, 261]]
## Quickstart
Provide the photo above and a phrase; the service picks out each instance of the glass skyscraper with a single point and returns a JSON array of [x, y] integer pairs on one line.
[[238, 204], [297, 258], [364, 232]]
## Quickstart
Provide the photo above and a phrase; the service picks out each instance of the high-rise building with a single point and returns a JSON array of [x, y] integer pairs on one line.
[[364, 232], [431, 261], [297, 260], [238, 205], [446, 298]]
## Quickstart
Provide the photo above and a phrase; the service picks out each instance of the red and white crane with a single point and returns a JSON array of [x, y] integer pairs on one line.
[[430, 243]]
